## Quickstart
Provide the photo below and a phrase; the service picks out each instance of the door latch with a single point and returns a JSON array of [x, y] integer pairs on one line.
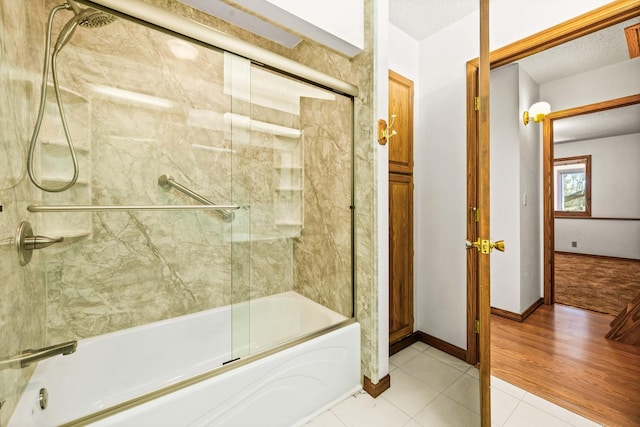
[[485, 246]]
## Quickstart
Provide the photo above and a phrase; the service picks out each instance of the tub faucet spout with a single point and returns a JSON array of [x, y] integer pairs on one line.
[[30, 356]]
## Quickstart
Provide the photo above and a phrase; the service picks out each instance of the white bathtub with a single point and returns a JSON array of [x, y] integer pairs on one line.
[[281, 389]]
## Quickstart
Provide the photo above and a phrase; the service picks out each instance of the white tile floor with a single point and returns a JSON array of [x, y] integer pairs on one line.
[[430, 388]]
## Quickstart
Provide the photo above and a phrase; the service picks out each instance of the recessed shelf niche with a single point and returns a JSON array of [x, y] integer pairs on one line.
[[54, 167]]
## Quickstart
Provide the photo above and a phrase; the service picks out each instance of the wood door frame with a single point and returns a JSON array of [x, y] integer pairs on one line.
[[483, 223], [547, 176], [579, 26]]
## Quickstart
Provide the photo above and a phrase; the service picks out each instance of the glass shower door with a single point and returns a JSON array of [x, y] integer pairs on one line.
[[237, 81]]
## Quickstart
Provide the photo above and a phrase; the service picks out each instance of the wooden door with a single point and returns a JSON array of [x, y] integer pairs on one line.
[[400, 256], [400, 208], [401, 105]]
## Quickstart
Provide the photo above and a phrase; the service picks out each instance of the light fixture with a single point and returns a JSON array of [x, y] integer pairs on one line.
[[182, 49], [537, 111]]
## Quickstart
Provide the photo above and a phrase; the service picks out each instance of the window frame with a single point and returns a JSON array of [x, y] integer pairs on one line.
[[577, 160]]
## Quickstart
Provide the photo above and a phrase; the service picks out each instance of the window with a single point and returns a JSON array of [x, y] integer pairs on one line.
[[572, 186]]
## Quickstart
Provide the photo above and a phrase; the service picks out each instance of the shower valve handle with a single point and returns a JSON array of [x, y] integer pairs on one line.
[[40, 242], [26, 242]]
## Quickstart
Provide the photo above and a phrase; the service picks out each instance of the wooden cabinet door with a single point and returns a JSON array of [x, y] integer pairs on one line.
[[400, 256], [401, 105]]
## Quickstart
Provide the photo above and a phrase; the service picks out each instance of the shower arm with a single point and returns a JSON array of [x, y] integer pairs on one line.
[[166, 181]]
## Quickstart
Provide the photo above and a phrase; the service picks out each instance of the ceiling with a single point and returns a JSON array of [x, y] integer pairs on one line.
[[596, 50], [422, 18]]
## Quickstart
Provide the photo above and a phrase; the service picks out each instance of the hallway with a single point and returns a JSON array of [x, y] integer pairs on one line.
[[430, 388]]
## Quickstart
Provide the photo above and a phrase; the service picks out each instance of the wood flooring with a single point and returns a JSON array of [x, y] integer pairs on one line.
[[560, 354], [596, 283]]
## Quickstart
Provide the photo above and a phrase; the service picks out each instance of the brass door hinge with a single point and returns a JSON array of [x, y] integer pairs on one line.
[[476, 213], [476, 103], [477, 326]]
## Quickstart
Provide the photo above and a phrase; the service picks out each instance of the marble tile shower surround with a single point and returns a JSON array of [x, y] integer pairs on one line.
[[156, 265], [22, 291], [323, 252], [168, 265]]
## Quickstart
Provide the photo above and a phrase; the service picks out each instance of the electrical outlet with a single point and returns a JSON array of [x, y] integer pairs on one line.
[[574, 244]]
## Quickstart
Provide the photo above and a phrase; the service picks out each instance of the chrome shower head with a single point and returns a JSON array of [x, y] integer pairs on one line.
[[88, 18], [95, 18]]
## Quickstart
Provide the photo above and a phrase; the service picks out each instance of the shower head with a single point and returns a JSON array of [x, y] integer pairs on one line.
[[95, 18], [87, 17]]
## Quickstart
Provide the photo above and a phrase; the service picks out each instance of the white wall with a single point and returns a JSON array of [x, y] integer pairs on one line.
[[505, 187], [515, 186], [530, 197], [610, 238], [603, 84], [381, 109], [615, 192], [403, 56], [440, 175]]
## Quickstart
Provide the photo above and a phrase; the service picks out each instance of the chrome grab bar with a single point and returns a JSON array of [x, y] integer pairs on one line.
[[30, 356], [167, 181]]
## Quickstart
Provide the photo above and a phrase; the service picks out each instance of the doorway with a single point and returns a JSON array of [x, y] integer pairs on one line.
[[602, 17], [597, 271]]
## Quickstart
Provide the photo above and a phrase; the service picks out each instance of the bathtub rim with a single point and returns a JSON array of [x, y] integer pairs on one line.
[[137, 401]]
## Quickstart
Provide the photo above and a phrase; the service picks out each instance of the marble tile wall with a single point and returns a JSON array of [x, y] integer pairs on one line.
[[22, 289], [136, 267], [323, 251], [164, 117]]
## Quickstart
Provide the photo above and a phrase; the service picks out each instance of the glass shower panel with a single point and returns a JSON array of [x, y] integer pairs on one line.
[[237, 85], [301, 196], [144, 108]]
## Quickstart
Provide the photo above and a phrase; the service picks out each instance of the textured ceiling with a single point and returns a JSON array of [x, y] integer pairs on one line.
[[596, 50], [421, 18]]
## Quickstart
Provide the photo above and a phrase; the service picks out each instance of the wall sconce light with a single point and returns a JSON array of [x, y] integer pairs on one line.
[[537, 111]]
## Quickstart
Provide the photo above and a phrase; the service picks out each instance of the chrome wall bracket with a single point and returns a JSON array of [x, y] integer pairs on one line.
[[26, 242]]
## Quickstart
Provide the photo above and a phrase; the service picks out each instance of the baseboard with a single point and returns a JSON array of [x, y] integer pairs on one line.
[[377, 389], [515, 316], [441, 345], [403, 343]]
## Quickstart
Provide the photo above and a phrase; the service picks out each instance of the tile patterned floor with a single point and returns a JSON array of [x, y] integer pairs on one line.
[[430, 388]]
